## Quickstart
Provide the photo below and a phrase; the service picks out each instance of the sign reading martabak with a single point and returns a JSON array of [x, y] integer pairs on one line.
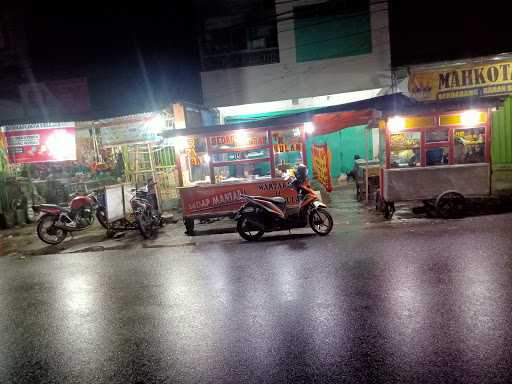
[[321, 165], [472, 80]]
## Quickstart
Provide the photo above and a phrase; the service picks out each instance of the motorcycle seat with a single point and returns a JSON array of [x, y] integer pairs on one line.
[[54, 206], [51, 206], [277, 200]]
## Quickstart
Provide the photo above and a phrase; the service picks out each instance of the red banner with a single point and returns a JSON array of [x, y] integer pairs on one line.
[[322, 165], [35, 143], [226, 198], [332, 122]]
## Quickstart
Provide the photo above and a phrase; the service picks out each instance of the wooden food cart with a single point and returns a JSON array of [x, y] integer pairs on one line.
[[441, 159], [216, 167]]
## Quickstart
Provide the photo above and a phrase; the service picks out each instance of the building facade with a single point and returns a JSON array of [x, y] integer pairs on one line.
[[261, 56]]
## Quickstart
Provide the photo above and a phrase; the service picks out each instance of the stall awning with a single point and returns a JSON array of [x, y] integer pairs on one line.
[[262, 116], [331, 122], [395, 102]]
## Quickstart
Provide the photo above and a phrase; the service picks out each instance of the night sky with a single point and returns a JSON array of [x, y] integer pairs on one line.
[[136, 55], [113, 44], [436, 30]]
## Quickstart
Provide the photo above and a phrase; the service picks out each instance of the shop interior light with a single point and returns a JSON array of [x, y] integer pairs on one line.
[[470, 117], [61, 145], [180, 142], [296, 132], [157, 124], [206, 158], [309, 127], [396, 124], [242, 138]]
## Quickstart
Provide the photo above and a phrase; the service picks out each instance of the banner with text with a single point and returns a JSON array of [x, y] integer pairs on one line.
[[33, 143], [470, 80], [322, 165], [227, 198]]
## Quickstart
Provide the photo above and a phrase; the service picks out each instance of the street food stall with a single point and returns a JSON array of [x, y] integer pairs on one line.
[[438, 158], [215, 167], [217, 164]]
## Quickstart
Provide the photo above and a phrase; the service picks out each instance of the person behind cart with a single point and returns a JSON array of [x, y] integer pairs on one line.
[[353, 173]]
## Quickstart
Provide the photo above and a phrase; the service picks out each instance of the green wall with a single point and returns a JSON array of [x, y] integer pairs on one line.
[[343, 145], [501, 149], [326, 37], [502, 134]]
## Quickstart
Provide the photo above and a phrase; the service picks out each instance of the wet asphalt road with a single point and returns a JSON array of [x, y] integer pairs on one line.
[[423, 303]]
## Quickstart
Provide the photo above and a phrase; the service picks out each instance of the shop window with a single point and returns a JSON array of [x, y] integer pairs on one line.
[[405, 150], [437, 156], [436, 135], [195, 163], [469, 145], [287, 147], [236, 155], [238, 172]]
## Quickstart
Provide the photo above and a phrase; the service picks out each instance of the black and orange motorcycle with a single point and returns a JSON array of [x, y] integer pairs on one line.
[[267, 214]]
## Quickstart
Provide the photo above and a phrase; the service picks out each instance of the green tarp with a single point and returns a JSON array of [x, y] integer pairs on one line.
[[343, 145]]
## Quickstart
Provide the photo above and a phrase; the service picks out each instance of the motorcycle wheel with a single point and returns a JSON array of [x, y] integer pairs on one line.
[[247, 231], [47, 231], [320, 221], [145, 224], [101, 215]]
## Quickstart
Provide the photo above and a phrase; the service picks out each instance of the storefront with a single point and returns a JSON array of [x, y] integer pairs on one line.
[[426, 155]]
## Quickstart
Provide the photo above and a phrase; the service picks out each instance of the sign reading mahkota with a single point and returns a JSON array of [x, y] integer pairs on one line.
[[322, 165], [226, 198], [462, 81], [33, 143]]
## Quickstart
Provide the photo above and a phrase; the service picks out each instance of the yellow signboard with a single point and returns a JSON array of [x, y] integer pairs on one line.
[[463, 81], [321, 165]]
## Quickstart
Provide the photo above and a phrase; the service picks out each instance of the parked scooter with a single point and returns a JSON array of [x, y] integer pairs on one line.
[[266, 214], [56, 221], [146, 213]]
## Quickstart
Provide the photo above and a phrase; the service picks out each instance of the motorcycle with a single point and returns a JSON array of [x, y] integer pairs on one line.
[[55, 221], [145, 209], [267, 214]]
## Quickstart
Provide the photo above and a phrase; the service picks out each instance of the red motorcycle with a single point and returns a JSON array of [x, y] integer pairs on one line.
[[56, 221]]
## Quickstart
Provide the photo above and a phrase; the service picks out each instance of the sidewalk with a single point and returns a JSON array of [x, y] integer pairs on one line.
[[349, 215]]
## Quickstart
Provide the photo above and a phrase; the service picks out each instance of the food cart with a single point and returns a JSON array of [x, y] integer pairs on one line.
[[438, 158], [216, 167]]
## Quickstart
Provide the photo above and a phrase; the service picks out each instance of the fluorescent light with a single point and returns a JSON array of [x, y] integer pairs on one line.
[[61, 145], [309, 127], [180, 142], [396, 124], [470, 117], [156, 124], [242, 138]]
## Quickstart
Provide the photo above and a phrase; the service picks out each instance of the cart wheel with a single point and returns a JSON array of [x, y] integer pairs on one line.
[[389, 209], [189, 226], [110, 233], [450, 205]]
